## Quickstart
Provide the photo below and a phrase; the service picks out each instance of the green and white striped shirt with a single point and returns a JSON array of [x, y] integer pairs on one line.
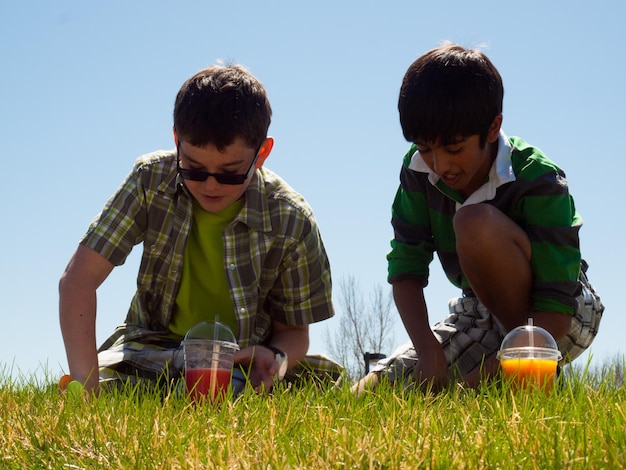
[[526, 186]]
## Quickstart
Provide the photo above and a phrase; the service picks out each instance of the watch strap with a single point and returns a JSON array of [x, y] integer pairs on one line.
[[281, 358], [275, 350]]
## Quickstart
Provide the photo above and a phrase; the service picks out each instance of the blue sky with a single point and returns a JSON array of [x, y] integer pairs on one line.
[[86, 87]]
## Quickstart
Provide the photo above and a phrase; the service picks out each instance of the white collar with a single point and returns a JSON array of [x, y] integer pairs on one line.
[[501, 172]]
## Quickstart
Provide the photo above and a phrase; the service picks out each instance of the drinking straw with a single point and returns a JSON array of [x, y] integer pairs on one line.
[[214, 356], [530, 332]]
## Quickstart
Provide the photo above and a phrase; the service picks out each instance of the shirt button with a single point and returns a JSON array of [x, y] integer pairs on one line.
[[232, 266], [242, 310]]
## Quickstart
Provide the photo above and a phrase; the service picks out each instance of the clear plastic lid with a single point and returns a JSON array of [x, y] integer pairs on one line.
[[527, 339], [214, 330]]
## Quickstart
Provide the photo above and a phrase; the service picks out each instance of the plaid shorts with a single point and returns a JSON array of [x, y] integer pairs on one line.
[[138, 355], [470, 334]]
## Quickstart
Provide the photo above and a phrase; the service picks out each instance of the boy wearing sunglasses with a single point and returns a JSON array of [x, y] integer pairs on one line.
[[223, 237], [500, 217]]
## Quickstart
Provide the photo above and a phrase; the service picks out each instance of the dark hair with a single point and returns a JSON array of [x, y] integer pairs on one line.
[[222, 103], [449, 93]]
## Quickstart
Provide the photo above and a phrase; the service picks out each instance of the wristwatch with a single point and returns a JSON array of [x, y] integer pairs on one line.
[[281, 358]]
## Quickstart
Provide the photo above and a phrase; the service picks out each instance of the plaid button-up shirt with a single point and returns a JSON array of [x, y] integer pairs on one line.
[[274, 257]]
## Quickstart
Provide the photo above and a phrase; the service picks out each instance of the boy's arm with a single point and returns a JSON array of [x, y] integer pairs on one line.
[[292, 340], [432, 364], [77, 312]]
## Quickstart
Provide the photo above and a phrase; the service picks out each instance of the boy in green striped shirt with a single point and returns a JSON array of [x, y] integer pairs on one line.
[[498, 214]]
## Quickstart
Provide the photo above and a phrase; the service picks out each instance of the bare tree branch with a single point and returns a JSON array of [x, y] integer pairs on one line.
[[361, 328]]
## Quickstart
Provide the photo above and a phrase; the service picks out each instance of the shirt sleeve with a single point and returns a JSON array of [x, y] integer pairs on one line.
[[412, 247], [121, 223], [302, 293]]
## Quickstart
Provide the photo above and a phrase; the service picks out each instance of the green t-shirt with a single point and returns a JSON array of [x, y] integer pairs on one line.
[[204, 293]]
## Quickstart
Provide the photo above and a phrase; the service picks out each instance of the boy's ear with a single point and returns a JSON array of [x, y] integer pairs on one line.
[[175, 136], [494, 129], [264, 151]]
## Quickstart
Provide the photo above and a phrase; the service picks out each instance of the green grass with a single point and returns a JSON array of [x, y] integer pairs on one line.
[[580, 425]]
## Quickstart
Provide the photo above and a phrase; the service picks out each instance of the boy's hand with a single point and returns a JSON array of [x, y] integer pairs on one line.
[[489, 368], [431, 372], [264, 366]]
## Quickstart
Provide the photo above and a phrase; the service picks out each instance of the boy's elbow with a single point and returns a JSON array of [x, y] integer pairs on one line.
[[64, 282], [86, 271]]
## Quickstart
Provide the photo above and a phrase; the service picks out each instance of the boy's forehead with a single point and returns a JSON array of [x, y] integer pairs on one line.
[[237, 143], [439, 141]]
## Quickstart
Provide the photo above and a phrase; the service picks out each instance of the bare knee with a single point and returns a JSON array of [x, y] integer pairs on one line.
[[475, 226], [480, 227]]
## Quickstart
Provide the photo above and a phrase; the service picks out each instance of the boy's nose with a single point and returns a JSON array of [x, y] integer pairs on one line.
[[211, 182], [440, 162]]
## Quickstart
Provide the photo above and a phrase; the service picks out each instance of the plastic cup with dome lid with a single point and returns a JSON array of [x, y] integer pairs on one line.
[[209, 352], [529, 356]]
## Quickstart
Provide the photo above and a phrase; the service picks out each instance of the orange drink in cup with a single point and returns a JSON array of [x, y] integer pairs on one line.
[[529, 357], [530, 367]]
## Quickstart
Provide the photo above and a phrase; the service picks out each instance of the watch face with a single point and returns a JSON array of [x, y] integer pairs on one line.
[[282, 365]]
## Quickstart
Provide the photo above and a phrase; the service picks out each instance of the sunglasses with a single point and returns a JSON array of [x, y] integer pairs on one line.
[[222, 178]]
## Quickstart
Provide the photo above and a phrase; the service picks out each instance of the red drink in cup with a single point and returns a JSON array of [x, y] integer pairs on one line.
[[211, 383], [209, 350]]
